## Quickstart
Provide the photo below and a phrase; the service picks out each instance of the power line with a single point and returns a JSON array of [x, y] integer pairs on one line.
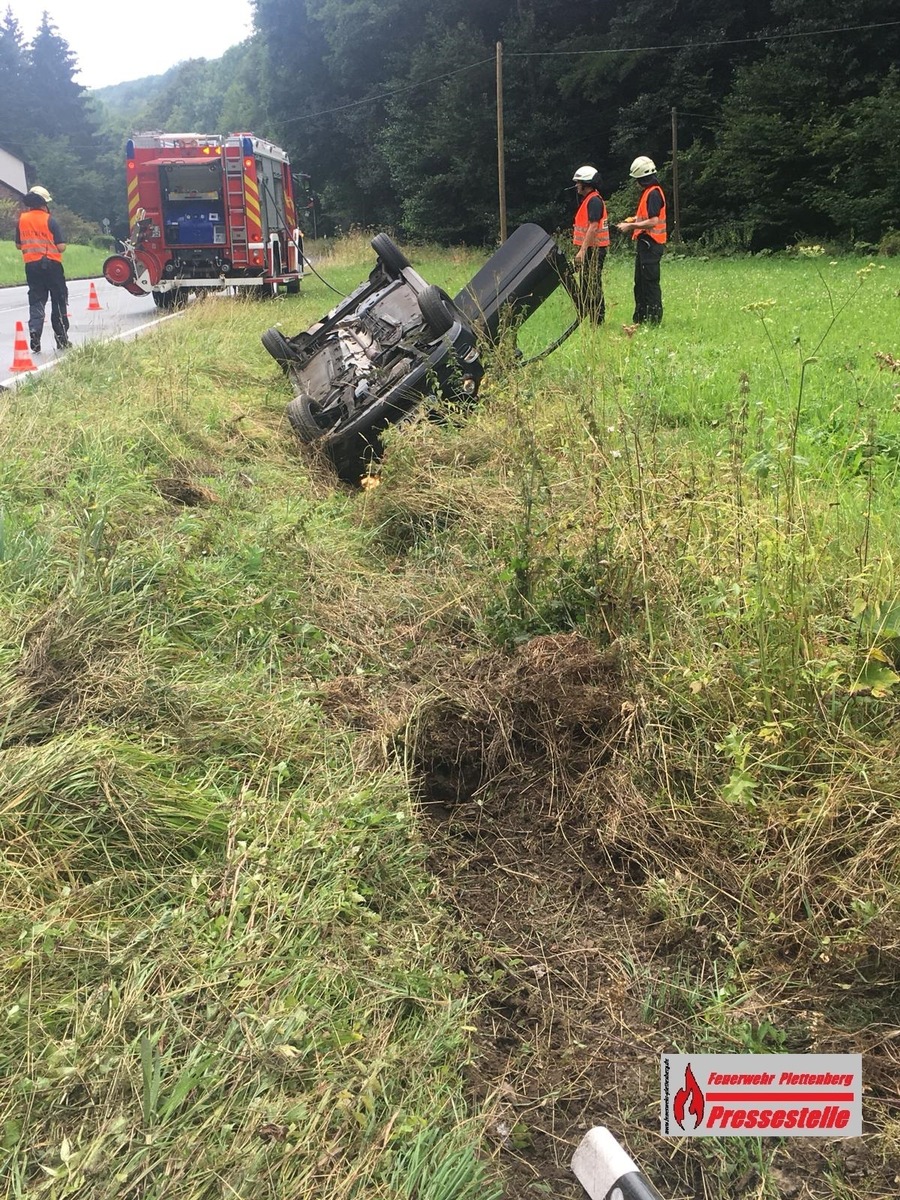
[[387, 95], [770, 37]]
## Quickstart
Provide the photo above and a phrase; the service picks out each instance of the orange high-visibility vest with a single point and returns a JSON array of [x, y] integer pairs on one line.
[[657, 231], [35, 239], [579, 231]]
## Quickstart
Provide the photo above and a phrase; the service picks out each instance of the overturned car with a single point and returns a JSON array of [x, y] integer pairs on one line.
[[398, 340]]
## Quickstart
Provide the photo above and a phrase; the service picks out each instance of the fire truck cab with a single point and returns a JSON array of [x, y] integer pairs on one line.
[[206, 211]]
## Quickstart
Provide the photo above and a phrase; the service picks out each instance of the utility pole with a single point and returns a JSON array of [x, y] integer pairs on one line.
[[501, 163], [676, 223]]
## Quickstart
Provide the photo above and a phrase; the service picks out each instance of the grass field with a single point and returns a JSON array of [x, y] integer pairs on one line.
[[374, 843], [80, 262]]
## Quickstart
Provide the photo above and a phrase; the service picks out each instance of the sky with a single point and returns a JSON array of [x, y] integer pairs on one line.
[[113, 44]]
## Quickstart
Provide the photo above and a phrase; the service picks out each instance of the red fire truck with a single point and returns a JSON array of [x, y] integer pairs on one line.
[[206, 211]]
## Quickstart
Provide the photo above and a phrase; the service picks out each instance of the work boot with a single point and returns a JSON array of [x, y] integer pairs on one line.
[[35, 343], [62, 341]]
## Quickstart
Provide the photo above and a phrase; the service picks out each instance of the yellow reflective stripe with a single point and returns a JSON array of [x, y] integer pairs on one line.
[[658, 229], [251, 201], [134, 200]]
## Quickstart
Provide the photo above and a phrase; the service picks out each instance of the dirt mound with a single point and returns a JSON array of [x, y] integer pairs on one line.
[[539, 723], [184, 492]]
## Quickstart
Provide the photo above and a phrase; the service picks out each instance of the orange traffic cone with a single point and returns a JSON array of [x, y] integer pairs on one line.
[[94, 305], [21, 356]]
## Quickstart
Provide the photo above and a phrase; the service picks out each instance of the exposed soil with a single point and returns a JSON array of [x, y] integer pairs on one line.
[[536, 831], [184, 492]]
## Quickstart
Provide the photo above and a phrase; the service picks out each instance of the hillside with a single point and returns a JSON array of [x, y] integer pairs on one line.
[[128, 97], [375, 842]]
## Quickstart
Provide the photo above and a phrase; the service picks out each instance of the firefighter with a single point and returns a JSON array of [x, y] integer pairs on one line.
[[590, 234], [648, 229], [41, 242]]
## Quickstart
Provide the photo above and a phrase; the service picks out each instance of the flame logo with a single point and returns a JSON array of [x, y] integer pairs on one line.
[[689, 1097]]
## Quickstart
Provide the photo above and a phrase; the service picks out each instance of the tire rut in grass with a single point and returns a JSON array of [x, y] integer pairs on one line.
[[517, 765]]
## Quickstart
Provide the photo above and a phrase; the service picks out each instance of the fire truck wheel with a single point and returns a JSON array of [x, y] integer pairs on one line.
[[292, 287], [437, 311], [175, 298], [391, 255], [300, 413]]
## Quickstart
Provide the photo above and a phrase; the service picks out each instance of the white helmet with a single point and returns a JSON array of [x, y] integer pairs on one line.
[[585, 175], [42, 192], [642, 167]]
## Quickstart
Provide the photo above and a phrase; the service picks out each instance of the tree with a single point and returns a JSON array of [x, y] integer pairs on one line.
[[13, 97], [62, 143], [439, 141], [59, 104], [794, 158]]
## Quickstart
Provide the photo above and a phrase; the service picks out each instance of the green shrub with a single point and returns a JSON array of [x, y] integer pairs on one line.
[[75, 229], [890, 243], [9, 212]]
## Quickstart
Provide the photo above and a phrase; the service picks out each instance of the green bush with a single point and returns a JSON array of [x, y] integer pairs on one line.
[[9, 212], [75, 229], [890, 243]]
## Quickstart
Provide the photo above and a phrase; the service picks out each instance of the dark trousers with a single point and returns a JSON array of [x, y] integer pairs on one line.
[[648, 305], [588, 293], [47, 279]]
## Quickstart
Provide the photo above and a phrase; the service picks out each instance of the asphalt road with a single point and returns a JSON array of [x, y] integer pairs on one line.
[[120, 315]]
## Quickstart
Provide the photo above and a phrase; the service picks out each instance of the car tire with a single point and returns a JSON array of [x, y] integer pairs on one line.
[[437, 310], [279, 347], [300, 413], [390, 254]]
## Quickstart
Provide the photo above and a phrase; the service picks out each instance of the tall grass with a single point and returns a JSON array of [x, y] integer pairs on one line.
[[222, 963], [225, 968]]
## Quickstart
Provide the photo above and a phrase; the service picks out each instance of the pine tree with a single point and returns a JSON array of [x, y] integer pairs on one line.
[[60, 107], [13, 103], [63, 146]]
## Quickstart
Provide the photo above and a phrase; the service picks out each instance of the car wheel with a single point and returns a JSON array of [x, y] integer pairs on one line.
[[279, 347], [437, 310], [391, 255], [300, 413]]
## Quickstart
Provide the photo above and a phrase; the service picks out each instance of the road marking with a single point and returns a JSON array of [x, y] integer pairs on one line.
[[14, 380]]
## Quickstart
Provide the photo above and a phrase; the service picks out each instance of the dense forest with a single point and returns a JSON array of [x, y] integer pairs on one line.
[[785, 113]]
